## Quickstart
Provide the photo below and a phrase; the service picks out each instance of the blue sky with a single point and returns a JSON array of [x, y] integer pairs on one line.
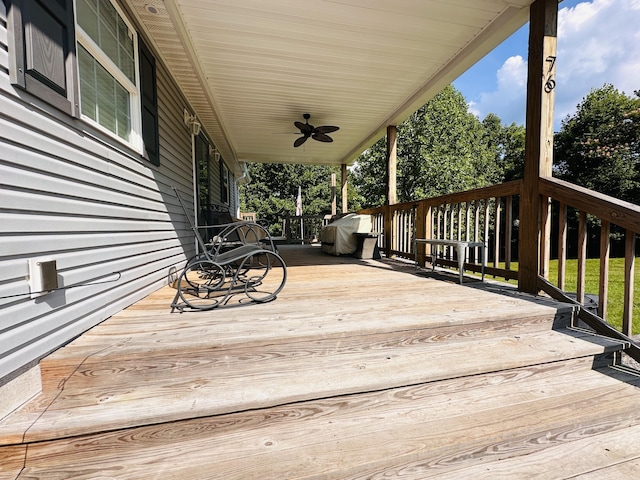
[[598, 43]]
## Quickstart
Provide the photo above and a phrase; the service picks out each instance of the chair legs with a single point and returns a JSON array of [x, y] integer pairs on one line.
[[205, 284]]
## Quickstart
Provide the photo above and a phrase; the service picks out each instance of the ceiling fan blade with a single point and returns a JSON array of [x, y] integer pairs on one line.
[[326, 129], [321, 137], [305, 128], [300, 141]]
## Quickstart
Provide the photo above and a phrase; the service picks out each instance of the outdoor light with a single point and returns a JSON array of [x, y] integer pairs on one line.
[[214, 151], [191, 121]]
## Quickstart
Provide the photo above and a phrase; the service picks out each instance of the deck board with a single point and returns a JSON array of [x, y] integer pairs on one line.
[[121, 394], [345, 436], [358, 369]]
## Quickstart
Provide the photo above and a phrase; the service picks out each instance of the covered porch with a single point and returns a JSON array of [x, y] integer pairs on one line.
[[359, 369]]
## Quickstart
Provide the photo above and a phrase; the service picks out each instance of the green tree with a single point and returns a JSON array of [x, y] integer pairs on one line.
[[507, 143], [442, 148], [273, 190], [369, 173], [599, 146]]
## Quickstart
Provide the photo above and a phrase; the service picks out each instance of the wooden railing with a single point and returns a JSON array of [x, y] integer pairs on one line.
[[486, 214], [491, 215], [302, 228], [565, 201]]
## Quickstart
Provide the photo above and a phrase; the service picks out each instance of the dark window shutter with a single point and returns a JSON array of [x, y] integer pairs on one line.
[[149, 102], [42, 42]]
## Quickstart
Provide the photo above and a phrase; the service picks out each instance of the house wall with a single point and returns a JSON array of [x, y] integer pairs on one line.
[[109, 218]]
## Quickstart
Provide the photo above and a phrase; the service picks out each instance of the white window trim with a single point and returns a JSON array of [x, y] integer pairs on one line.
[[82, 38]]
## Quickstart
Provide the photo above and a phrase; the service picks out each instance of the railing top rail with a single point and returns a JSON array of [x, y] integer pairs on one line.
[[613, 210], [506, 189]]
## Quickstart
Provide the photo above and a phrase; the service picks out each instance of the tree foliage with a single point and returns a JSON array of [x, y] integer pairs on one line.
[[273, 190], [599, 146], [507, 143], [443, 148]]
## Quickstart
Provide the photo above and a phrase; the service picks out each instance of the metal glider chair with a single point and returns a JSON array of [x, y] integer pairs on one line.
[[239, 260]]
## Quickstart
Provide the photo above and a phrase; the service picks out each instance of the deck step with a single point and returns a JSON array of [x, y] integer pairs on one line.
[[458, 428], [131, 334], [102, 395]]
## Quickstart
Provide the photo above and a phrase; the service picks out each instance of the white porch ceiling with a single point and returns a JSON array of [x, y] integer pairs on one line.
[[250, 68]]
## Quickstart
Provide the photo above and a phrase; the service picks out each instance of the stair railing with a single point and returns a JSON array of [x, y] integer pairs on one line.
[[491, 215]]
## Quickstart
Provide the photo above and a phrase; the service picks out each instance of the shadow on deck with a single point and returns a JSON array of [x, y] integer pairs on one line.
[[359, 369]]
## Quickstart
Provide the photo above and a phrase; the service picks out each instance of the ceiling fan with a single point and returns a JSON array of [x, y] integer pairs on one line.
[[317, 133]]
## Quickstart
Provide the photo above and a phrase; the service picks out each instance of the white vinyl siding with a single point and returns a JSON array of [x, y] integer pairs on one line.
[[110, 220], [92, 206]]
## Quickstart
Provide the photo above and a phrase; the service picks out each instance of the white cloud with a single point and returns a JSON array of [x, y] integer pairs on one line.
[[598, 43], [512, 81]]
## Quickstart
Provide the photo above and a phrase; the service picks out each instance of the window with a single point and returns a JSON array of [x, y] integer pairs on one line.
[[49, 50], [107, 58]]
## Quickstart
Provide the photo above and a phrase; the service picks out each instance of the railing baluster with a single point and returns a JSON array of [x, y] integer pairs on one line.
[[629, 270], [496, 246], [562, 244], [605, 247], [451, 229], [545, 234], [486, 226], [582, 256], [459, 221], [467, 220], [476, 227], [508, 223]]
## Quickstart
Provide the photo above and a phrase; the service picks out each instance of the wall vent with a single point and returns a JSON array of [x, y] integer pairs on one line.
[[43, 276]]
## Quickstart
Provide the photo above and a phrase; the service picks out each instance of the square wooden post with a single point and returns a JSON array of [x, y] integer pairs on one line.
[[392, 145], [538, 162], [344, 188], [333, 195]]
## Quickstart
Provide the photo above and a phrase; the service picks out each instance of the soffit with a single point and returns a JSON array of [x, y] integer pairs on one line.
[[250, 68]]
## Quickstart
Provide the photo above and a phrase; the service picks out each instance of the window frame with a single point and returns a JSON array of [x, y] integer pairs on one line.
[[135, 104]]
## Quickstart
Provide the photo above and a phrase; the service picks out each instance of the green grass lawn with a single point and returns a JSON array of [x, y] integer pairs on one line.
[[616, 286]]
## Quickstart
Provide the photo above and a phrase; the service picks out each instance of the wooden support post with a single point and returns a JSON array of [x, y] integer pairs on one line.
[[334, 207], [343, 183], [388, 231], [392, 145], [420, 231], [539, 137]]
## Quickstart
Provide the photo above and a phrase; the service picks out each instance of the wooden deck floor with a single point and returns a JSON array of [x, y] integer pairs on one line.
[[359, 369]]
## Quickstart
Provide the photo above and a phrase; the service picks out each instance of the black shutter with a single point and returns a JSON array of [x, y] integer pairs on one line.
[[149, 102], [42, 50]]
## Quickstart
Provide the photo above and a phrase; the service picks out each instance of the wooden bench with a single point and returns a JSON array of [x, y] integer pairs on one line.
[[461, 251]]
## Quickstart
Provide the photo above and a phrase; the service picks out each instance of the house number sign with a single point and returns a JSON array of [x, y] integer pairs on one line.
[[550, 84]]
